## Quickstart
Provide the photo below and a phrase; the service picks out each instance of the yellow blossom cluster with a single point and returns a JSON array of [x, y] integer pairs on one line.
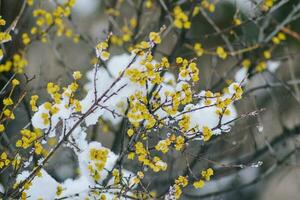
[[98, 158], [185, 93], [112, 12], [139, 177], [184, 123], [126, 33], [17, 63], [54, 91], [267, 4], [101, 51], [279, 38], [207, 133], [4, 160], [221, 52], [29, 138], [59, 190], [209, 96], [222, 105], [261, 66], [8, 106], [30, 2], [116, 176], [238, 91], [206, 174], [149, 3], [187, 70], [155, 163], [32, 102], [208, 5], [26, 39], [181, 97], [4, 36], [148, 72], [181, 19], [180, 182], [138, 111], [46, 19], [163, 145], [155, 37], [246, 63], [198, 49]]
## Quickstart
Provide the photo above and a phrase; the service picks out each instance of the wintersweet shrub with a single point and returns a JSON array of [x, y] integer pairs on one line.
[[153, 96]]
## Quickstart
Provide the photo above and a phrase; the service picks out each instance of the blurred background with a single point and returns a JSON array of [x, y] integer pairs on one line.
[[258, 159]]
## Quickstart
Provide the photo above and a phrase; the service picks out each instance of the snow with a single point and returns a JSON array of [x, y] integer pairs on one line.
[[42, 187], [247, 7], [273, 65], [84, 161], [86, 7], [241, 75], [207, 116]]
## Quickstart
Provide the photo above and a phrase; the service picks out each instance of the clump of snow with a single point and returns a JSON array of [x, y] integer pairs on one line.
[[272, 66], [241, 76], [202, 115], [42, 187], [86, 7], [84, 160]]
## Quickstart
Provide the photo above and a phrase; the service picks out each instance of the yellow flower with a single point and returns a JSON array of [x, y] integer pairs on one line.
[[15, 82], [4, 161], [179, 60], [133, 22], [77, 75], [237, 21], [38, 148], [2, 128], [267, 54], [275, 40], [8, 101], [181, 19], [2, 21], [221, 52], [246, 63], [59, 190], [208, 6], [196, 11], [104, 55], [25, 38], [32, 102], [30, 2], [4, 37], [154, 37], [130, 132], [131, 156], [182, 181], [198, 184], [207, 133], [206, 174], [9, 114], [149, 4], [281, 36], [198, 49], [261, 66]]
